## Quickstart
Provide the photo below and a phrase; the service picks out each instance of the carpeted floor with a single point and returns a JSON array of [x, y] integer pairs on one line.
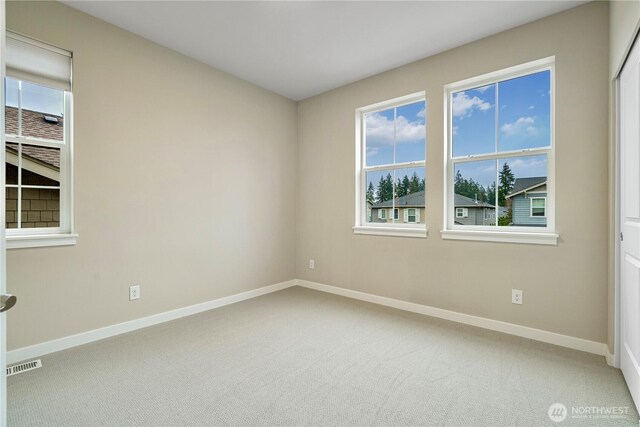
[[301, 357]]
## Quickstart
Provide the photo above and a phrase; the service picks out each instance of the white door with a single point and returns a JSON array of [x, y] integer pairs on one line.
[[630, 222]]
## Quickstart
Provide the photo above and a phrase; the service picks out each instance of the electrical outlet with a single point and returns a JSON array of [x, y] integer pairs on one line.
[[134, 292], [312, 264], [516, 296]]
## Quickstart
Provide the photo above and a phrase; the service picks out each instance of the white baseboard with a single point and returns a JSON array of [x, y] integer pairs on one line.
[[64, 343], [482, 322]]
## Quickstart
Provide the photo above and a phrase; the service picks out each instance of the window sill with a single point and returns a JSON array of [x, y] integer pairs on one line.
[[392, 231], [501, 236], [41, 241]]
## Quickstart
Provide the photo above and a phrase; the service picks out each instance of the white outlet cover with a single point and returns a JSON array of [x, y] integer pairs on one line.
[[516, 296], [134, 292], [312, 264]]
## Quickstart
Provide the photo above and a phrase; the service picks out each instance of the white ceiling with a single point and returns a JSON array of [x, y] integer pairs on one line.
[[300, 49]]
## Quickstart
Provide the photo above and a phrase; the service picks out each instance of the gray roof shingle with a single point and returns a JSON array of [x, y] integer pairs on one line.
[[521, 184]]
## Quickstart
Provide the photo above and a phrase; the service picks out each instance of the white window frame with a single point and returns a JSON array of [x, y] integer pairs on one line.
[[531, 207], [532, 235], [50, 236], [392, 228]]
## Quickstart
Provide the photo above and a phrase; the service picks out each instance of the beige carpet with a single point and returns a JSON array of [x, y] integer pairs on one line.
[[301, 357]]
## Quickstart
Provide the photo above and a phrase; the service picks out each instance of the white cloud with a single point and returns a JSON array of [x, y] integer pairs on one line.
[[531, 107], [528, 166], [483, 88], [421, 113], [380, 131], [522, 126], [463, 105], [455, 130]]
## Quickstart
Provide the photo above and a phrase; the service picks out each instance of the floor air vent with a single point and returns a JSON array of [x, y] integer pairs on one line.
[[23, 367]]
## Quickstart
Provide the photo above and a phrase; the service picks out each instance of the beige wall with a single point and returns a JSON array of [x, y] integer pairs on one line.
[[569, 294], [624, 20], [173, 160]]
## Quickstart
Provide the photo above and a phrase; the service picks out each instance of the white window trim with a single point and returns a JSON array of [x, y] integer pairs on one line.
[[52, 236], [531, 207], [382, 229], [529, 235]]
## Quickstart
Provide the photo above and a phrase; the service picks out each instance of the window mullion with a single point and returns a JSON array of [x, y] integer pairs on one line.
[[503, 155], [19, 225], [393, 167]]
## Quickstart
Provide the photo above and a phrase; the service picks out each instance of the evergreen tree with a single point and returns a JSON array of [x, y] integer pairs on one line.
[[506, 183], [388, 182], [400, 189], [406, 184], [371, 194], [414, 184], [380, 192], [385, 189], [491, 194]]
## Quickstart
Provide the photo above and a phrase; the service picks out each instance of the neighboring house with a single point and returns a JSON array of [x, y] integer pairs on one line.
[[40, 168], [408, 209], [528, 201], [469, 211]]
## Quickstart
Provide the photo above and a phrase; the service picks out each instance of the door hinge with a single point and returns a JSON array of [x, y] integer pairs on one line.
[[621, 237]]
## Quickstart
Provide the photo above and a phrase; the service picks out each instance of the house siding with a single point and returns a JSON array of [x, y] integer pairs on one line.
[[476, 217], [521, 206], [374, 216]]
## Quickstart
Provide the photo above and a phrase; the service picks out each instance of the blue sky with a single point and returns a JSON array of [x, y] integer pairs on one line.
[[523, 122], [35, 97], [410, 135]]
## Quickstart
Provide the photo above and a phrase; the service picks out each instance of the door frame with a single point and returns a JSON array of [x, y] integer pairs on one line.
[[617, 229], [3, 248]]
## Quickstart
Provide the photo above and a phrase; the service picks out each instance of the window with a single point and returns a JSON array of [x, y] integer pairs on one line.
[[499, 152], [539, 206], [38, 144], [413, 215], [462, 212], [382, 214], [391, 165]]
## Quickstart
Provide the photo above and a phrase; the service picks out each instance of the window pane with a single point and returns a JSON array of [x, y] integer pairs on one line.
[[474, 193], [11, 169], [474, 121], [11, 207], [379, 133], [538, 207], [525, 109], [11, 106], [379, 195], [42, 110], [40, 207], [520, 179], [410, 132], [410, 193], [40, 165]]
